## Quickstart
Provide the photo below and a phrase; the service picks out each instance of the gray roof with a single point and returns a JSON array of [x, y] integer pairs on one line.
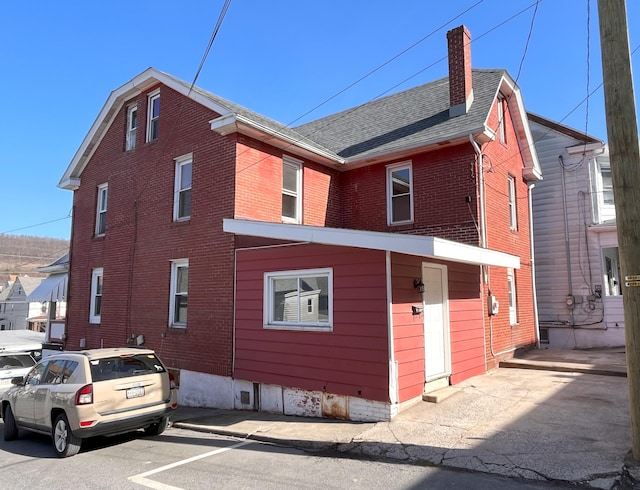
[[411, 118]]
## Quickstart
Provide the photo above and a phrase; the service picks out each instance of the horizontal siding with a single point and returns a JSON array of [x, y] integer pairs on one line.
[[465, 319], [568, 255], [352, 359]]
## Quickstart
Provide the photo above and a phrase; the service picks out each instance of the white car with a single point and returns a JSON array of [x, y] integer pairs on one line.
[[13, 364]]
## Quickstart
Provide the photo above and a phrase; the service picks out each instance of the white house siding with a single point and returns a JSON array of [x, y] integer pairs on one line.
[[563, 206]]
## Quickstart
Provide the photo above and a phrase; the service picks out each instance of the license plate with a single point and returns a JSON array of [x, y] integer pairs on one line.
[[135, 392]]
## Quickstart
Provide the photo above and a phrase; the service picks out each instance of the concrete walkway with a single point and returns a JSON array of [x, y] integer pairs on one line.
[[560, 416]]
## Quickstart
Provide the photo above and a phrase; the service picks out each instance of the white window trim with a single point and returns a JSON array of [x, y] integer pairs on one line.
[[513, 212], [269, 323], [101, 208], [501, 122], [95, 274], [131, 131], [297, 165], [152, 96], [390, 170], [180, 161], [175, 265]]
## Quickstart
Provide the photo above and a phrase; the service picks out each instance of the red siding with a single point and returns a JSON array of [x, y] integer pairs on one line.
[[350, 360], [465, 319]]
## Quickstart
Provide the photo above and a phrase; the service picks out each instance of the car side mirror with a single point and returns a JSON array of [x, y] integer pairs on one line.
[[18, 381]]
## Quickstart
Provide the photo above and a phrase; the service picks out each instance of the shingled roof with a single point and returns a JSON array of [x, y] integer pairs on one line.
[[413, 118]]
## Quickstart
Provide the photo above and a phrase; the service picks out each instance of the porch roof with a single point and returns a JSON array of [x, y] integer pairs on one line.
[[52, 288], [422, 246]]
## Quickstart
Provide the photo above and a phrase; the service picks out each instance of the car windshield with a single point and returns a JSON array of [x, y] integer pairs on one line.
[[14, 361], [125, 366]]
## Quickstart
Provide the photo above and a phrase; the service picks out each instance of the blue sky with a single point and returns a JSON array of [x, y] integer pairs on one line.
[[282, 58]]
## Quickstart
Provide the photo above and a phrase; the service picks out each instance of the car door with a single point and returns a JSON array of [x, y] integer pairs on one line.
[[23, 405]]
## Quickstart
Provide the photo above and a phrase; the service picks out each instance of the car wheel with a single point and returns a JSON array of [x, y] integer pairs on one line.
[[10, 427], [157, 429], [64, 442]]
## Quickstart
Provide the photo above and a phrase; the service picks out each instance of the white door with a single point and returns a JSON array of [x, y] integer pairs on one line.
[[436, 322]]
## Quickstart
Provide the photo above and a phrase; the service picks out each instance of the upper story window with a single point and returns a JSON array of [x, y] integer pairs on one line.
[[101, 210], [153, 116], [399, 194], [132, 126], [299, 300], [607, 185], [611, 274], [95, 308], [182, 190], [291, 190], [511, 193], [179, 293], [501, 105]]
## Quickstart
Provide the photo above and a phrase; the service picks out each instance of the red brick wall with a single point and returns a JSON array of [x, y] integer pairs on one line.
[[259, 185], [502, 160], [442, 180], [142, 239]]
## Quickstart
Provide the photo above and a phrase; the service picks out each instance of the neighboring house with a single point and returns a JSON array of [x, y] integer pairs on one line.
[[341, 268], [51, 293], [576, 244], [14, 307]]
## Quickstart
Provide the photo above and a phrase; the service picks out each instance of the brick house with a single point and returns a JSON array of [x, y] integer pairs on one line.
[[340, 268]]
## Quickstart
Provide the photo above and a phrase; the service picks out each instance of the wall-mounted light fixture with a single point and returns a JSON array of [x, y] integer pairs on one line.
[[416, 310], [419, 285]]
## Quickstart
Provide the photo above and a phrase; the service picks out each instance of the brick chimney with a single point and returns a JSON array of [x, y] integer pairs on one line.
[[460, 86]]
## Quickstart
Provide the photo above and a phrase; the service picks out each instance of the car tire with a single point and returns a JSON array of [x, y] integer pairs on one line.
[[10, 427], [64, 442], [157, 429]]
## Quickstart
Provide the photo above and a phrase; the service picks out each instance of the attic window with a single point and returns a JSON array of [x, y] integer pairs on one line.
[[153, 116], [132, 126], [501, 103]]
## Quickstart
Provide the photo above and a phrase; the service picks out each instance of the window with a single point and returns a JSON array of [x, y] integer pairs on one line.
[[291, 190], [399, 194], [179, 293], [132, 125], [501, 103], [101, 210], [607, 185], [95, 309], [299, 300], [182, 191], [511, 285], [153, 114], [511, 192], [611, 272]]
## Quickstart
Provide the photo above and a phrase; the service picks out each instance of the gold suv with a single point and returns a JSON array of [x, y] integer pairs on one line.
[[75, 395]]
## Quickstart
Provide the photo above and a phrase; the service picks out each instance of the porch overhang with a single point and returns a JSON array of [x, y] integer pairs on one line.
[[52, 288], [422, 246]]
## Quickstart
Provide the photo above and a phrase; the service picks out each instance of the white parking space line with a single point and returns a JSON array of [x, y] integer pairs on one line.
[[141, 479]]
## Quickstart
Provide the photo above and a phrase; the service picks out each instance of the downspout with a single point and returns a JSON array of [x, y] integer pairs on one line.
[[483, 237], [483, 228], [566, 234], [533, 268], [394, 395]]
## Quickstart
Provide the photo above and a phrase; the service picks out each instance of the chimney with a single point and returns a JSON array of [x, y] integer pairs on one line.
[[460, 86]]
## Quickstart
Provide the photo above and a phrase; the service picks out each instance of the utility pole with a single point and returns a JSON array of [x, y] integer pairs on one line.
[[624, 153]]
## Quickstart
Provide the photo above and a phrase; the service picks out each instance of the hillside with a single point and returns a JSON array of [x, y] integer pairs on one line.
[[22, 254]]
